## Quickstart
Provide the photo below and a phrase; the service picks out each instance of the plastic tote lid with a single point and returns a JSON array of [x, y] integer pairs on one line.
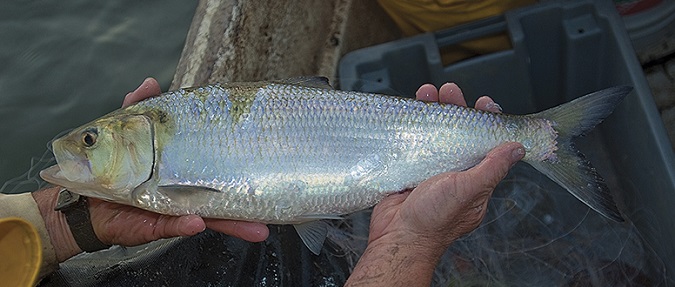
[[21, 252]]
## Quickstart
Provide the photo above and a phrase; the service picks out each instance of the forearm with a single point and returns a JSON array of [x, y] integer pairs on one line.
[[395, 263], [57, 226]]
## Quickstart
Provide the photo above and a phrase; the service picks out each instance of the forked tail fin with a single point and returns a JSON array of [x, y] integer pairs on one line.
[[571, 170]]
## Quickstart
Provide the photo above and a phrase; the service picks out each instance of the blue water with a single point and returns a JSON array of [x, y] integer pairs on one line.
[[63, 63]]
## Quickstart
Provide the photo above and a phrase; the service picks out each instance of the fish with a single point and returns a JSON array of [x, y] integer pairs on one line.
[[297, 151]]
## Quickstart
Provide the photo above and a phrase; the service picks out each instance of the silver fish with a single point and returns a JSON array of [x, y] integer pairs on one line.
[[297, 151]]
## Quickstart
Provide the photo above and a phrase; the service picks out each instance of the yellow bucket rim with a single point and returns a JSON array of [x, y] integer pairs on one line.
[[20, 250]]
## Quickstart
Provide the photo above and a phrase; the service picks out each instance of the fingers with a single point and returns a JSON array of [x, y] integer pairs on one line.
[[427, 93], [131, 226], [186, 225], [486, 103], [189, 225], [450, 93], [149, 88], [249, 231], [494, 167]]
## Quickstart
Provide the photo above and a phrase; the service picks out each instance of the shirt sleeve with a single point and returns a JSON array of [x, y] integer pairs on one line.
[[24, 206]]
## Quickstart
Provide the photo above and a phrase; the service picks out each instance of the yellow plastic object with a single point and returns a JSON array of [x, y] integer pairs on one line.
[[414, 17], [20, 252]]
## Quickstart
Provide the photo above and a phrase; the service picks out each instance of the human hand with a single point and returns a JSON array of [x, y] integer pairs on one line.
[[126, 225], [412, 229], [448, 205]]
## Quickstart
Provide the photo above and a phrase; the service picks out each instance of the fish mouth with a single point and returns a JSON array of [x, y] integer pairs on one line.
[[53, 175]]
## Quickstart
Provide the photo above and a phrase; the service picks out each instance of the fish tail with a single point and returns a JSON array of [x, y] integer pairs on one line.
[[570, 169]]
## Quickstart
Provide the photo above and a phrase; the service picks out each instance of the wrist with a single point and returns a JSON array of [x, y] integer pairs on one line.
[[390, 259], [423, 251], [420, 244], [59, 232]]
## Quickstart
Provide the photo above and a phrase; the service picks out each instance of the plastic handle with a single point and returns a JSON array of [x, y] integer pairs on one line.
[[469, 31]]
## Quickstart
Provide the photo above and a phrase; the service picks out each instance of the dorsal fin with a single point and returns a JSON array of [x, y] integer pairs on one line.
[[309, 81]]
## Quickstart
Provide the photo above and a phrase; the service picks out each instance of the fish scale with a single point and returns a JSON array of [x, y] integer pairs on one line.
[[294, 152]]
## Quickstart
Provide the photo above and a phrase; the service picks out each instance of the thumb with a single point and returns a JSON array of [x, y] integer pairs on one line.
[[186, 225], [496, 164]]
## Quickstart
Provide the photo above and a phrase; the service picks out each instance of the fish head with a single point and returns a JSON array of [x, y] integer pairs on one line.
[[106, 158]]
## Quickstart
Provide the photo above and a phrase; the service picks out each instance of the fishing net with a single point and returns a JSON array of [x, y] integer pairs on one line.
[[30, 180], [536, 234]]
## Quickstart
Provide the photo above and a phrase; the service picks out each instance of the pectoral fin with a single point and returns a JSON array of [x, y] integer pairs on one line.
[[166, 199], [313, 234], [187, 195], [183, 190]]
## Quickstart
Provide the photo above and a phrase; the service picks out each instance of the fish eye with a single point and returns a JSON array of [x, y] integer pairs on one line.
[[89, 137]]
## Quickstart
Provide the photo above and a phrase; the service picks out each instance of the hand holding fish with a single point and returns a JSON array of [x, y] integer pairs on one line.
[[297, 151], [411, 230], [126, 225]]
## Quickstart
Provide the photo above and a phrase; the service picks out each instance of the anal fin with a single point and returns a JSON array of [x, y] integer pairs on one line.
[[313, 234]]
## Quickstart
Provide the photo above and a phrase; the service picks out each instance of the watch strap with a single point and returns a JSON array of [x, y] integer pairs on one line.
[[76, 210]]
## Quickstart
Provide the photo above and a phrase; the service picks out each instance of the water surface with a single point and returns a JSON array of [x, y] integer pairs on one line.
[[63, 63]]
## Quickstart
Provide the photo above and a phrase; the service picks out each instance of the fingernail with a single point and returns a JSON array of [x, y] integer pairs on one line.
[[493, 107], [145, 84], [518, 153]]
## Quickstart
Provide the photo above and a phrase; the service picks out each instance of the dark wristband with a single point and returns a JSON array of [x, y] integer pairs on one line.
[[76, 210]]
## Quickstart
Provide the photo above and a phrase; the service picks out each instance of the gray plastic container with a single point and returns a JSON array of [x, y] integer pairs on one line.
[[560, 51]]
